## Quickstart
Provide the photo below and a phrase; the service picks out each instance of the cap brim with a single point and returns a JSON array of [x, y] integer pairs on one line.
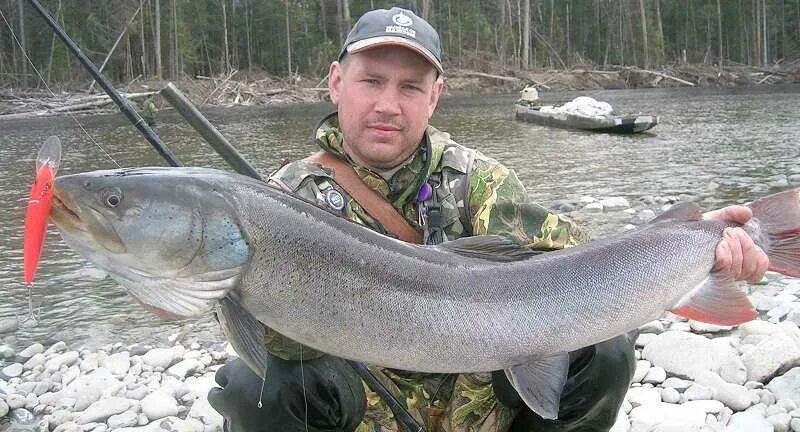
[[378, 41]]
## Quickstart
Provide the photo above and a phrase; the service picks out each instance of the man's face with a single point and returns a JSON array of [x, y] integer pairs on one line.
[[385, 97]]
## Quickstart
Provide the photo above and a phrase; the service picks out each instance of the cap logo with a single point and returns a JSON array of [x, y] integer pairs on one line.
[[402, 20]]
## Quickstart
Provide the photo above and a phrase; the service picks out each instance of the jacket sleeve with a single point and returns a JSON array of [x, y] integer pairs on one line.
[[500, 205]]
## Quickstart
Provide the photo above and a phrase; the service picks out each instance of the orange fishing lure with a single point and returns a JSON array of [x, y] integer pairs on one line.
[[38, 210]]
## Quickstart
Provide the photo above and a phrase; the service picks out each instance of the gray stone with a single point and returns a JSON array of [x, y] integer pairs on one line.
[[701, 327], [698, 392], [31, 350], [68, 427], [15, 401], [117, 363], [8, 324], [68, 358], [780, 422], [676, 383], [3, 408], [643, 396], [614, 203], [7, 352], [708, 406], [795, 424], [184, 368], [38, 359], [56, 348], [169, 424], [160, 357], [212, 420], [787, 404], [22, 416], [651, 416]]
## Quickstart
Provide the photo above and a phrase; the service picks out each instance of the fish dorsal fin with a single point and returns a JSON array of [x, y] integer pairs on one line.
[[244, 332], [716, 300], [488, 247], [680, 212], [540, 383]]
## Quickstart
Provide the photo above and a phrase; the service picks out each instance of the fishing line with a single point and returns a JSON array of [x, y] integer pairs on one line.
[[75, 119]]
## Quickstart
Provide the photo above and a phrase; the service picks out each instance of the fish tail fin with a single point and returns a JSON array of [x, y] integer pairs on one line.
[[717, 300], [775, 227]]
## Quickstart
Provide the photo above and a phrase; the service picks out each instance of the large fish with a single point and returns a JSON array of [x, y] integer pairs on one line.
[[184, 240]]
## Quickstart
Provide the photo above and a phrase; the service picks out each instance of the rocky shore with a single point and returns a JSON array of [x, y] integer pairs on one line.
[[689, 376]]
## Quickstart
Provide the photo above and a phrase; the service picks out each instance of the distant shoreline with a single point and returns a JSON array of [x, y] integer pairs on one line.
[[241, 88]]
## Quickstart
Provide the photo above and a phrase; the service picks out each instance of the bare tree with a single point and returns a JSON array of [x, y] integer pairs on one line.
[[288, 41], [719, 34], [226, 67], [526, 34], [157, 20], [644, 34]]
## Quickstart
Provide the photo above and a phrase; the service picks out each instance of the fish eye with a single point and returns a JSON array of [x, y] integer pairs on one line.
[[112, 197]]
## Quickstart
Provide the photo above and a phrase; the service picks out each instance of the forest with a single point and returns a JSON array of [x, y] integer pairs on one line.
[[179, 39]]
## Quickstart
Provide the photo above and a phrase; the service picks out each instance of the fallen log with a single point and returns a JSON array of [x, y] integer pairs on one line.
[[496, 77], [691, 84]]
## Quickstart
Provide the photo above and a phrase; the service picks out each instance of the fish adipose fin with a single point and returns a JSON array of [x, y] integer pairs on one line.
[[488, 247], [680, 212], [717, 300], [776, 228], [540, 383], [244, 332]]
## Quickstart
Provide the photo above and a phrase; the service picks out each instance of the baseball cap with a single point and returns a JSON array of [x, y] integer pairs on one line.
[[395, 26]]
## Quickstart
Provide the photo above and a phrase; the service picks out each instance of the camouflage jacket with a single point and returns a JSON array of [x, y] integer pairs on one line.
[[471, 195]]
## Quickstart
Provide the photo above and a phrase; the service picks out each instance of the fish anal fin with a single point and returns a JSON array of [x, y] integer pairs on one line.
[[244, 332], [717, 300], [540, 383], [488, 247], [680, 212]]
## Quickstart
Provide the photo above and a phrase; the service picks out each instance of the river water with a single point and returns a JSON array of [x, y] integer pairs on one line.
[[715, 146]]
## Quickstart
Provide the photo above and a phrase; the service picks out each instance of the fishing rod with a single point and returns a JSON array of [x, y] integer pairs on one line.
[[401, 413], [132, 115]]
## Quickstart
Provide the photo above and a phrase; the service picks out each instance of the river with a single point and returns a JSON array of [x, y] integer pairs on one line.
[[715, 146]]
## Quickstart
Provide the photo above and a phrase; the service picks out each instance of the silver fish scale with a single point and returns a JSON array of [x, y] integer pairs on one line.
[[348, 291]]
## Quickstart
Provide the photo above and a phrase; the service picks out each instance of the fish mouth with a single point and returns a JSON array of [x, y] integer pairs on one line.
[[64, 215]]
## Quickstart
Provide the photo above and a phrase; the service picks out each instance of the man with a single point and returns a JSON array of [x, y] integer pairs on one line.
[[386, 85]]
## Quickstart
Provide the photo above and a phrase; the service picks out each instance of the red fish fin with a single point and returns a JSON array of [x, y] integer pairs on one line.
[[778, 221], [716, 301]]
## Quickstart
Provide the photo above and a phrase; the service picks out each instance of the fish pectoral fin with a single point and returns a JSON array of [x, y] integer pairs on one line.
[[680, 212], [717, 300], [244, 332], [488, 247], [540, 383]]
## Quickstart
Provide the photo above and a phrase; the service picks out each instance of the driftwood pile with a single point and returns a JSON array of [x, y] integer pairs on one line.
[[228, 91], [18, 105]]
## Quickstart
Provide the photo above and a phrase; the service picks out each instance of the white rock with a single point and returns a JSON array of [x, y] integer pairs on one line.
[[594, 207], [701, 327], [772, 355], [649, 417], [37, 360], [748, 422], [212, 420], [642, 366], [676, 383], [89, 388], [655, 375], [795, 424], [3, 408], [126, 419], [644, 339], [655, 326], [735, 396], [68, 427], [787, 404], [13, 370], [160, 357], [31, 350], [15, 401], [117, 363], [708, 406], [615, 203], [670, 395], [67, 358], [169, 424], [184, 368], [686, 354], [56, 348], [102, 410], [780, 422], [159, 405], [698, 392], [786, 386], [9, 324], [70, 375], [643, 396]]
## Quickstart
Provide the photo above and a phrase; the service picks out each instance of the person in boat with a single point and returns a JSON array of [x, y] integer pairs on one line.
[[386, 84]]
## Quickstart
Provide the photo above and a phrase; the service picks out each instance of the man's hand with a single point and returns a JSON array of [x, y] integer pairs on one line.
[[736, 254]]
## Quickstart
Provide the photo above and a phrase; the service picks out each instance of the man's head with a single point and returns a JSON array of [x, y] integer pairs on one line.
[[386, 85]]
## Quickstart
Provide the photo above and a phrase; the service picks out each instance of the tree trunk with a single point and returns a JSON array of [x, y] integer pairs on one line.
[[157, 20], [764, 29], [288, 42], [53, 44], [173, 42], [227, 59], [661, 42], [526, 35], [324, 19], [248, 20], [143, 57], [644, 35], [346, 16], [426, 10], [719, 34], [569, 47], [23, 70]]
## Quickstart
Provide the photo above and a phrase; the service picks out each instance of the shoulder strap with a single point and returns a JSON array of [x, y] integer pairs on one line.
[[374, 204]]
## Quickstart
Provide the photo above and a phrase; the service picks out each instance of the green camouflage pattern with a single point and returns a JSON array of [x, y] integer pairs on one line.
[[478, 196]]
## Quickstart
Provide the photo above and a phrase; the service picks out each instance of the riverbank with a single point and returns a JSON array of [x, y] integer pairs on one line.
[[241, 88]]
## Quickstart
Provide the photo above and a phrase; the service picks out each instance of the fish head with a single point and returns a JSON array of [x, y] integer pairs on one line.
[[169, 236]]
